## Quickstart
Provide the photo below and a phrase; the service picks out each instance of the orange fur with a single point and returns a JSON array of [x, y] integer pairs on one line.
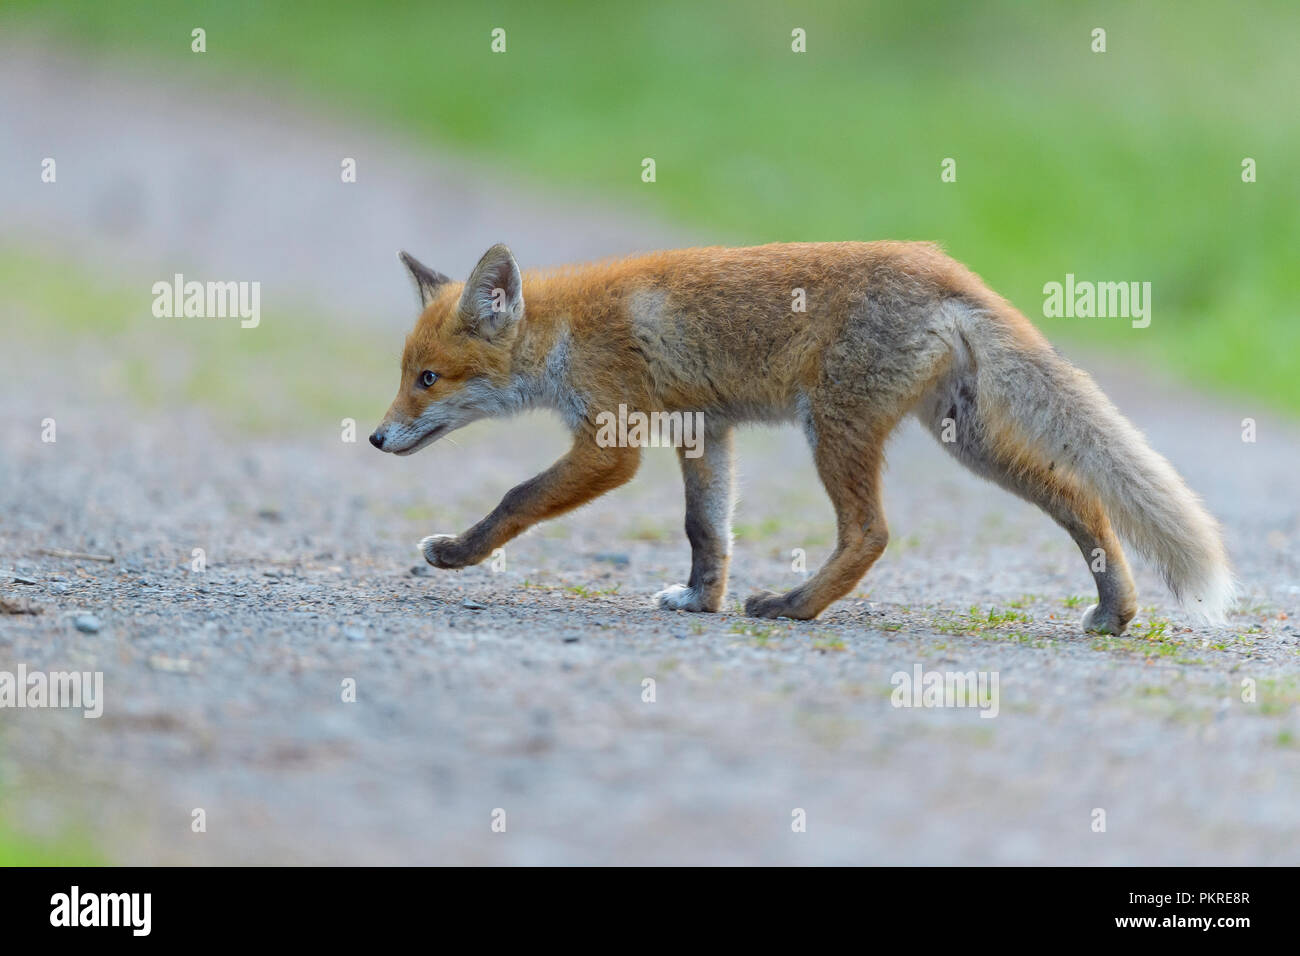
[[888, 328]]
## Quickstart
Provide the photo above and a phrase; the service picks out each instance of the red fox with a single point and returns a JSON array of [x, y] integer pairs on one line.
[[887, 328]]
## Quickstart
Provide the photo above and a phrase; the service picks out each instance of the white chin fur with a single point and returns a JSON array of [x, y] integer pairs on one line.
[[428, 438]]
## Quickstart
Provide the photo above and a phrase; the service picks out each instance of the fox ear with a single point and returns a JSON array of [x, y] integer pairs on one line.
[[494, 293], [427, 280]]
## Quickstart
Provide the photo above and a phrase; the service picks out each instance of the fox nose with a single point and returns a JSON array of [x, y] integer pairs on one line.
[[377, 439]]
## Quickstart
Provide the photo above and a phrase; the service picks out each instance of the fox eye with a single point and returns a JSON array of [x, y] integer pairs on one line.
[[427, 378]]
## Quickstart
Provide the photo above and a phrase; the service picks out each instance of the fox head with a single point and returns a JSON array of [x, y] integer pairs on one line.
[[456, 363]]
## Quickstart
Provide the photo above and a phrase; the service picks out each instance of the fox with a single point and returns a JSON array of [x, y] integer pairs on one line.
[[887, 329]]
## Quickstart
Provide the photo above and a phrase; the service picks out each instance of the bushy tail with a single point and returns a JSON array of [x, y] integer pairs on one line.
[[1032, 397]]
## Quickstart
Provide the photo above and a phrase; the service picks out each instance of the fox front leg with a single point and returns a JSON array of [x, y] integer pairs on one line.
[[586, 472], [710, 498]]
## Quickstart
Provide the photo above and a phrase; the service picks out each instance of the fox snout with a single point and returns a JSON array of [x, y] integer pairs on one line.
[[402, 436], [392, 432], [386, 432], [397, 437]]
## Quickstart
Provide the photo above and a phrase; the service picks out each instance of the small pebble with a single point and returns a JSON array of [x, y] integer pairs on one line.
[[354, 634], [171, 665], [86, 623], [473, 605], [19, 579]]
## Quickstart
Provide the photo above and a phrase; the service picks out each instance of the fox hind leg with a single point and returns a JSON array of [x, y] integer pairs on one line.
[[710, 497], [1091, 530], [1072, 507], [1085, 520], [849, 467]]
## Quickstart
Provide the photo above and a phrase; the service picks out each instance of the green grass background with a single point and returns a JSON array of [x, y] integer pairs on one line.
[[20, 849], [1117, 166], [61, 842], [284, 376]]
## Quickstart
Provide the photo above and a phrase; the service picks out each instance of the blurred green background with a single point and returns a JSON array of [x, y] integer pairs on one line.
[[1115, 166]]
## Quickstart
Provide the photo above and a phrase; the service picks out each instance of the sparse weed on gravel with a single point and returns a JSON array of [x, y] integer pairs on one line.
[[583, 591], [1278, 696], [578, 590], [1150, 640], [977, 621], [829, 644], [760, 634]]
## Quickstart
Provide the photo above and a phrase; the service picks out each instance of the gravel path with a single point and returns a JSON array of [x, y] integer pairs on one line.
[[522, 689]]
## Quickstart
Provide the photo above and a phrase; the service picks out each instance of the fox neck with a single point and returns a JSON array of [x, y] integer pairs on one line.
[[540, 370]]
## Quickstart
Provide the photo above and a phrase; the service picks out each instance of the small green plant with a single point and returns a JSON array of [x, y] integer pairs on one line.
[[758, 633], [1155, 629], [585, 592]]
